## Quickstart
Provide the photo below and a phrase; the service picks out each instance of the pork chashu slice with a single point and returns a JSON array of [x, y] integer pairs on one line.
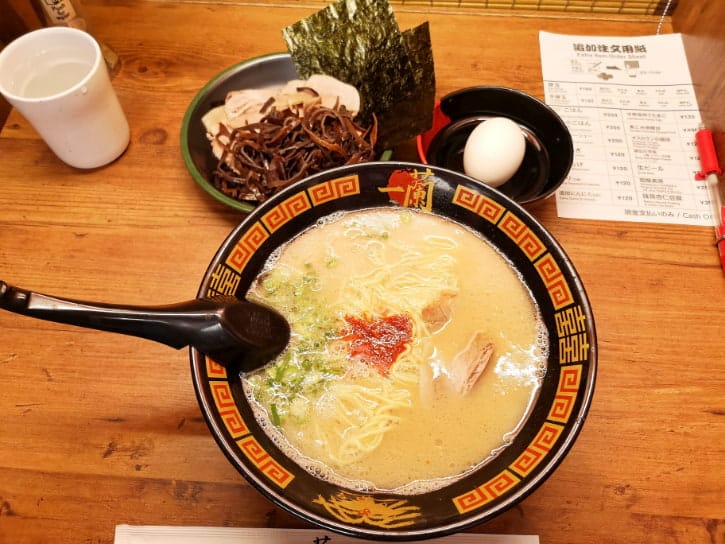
[[468, 365], [438, 313]]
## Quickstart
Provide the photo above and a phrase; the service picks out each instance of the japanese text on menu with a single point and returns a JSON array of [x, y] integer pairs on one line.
[[631, 109]]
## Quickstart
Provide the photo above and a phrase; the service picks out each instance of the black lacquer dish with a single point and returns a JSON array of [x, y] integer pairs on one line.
[[549, 148]]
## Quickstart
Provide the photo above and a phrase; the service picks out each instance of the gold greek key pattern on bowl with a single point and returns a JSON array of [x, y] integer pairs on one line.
[[222, 394], [555, 282], [524, 237], [483, 494], [477, 203], [266, 464], [538, 449], [214, 369], [249, 242], [286, 210], [233, 422], [239, 431], [566, 394], [334, 189], [227, 409]]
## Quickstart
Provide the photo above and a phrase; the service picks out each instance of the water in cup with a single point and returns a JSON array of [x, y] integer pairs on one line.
[[55, 79]]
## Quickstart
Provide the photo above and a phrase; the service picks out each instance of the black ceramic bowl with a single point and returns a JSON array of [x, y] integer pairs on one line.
[[551, 426], [549, 149]]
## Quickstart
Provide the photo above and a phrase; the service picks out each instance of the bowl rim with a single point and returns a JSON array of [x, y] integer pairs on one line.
[[570, 430]]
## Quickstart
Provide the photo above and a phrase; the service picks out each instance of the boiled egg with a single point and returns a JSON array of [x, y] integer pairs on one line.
[[494, 151]]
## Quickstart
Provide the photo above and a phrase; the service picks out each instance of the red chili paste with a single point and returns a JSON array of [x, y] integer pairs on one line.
[[378, 341]]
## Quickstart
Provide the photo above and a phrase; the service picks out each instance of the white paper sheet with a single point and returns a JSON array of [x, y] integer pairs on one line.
[[142, 534], [631, 108]]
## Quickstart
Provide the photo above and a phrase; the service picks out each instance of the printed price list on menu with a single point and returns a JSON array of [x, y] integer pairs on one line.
[[631, 108]]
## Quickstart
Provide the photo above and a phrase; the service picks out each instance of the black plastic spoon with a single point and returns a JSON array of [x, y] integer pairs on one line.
[[234, 333]]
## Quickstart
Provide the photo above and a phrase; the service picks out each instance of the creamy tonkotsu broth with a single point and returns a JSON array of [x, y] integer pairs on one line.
[[393, 313]]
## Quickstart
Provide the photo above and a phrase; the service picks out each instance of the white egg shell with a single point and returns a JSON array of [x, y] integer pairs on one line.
[[494, 151]]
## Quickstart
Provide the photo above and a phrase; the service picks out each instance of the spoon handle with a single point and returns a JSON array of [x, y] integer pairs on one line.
[[175, 325]]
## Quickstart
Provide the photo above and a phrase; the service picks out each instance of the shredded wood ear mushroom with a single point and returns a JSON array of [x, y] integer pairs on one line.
[[286, 145]]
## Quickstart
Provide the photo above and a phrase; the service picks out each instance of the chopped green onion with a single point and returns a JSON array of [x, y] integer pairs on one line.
[[275, 415]]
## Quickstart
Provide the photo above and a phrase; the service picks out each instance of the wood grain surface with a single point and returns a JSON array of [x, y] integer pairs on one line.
[[99, 429], [702, 27]]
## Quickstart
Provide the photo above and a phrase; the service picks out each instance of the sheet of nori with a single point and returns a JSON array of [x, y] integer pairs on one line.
[[359, 42], [412, 113]]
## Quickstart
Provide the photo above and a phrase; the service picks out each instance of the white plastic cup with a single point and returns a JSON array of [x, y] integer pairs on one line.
[[57, 79]]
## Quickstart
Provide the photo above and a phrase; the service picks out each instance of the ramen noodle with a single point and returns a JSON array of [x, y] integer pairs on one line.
[[415, 356]]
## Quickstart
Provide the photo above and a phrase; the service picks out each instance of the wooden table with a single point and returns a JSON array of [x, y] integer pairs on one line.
[[99, 429]]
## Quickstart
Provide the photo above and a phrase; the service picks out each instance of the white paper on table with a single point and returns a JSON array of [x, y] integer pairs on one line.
[[150, 534], [631, 108]]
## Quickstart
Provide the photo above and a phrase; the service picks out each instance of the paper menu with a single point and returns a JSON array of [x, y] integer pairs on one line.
[[150, 534], [631, 108]]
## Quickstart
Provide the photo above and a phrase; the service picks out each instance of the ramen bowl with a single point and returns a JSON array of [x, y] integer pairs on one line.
[[553, 419], [271, 70], [549, 149]]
